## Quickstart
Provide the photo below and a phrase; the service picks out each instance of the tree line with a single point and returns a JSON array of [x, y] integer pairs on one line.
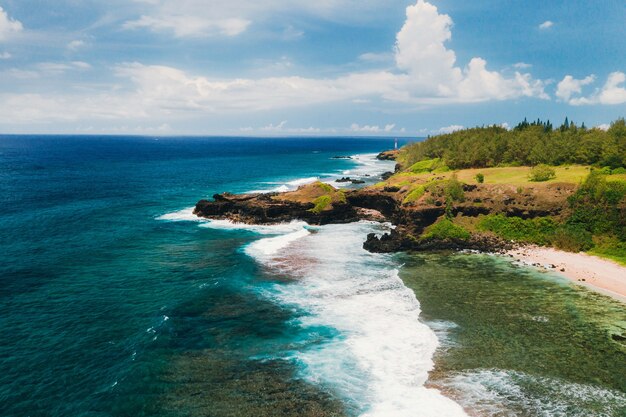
[[529, 143]]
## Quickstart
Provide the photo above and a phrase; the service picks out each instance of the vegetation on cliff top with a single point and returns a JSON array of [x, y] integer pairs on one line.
[[321, 195], [528, 144], [593, 217]]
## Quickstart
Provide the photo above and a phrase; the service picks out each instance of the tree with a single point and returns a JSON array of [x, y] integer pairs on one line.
[[541, 173]]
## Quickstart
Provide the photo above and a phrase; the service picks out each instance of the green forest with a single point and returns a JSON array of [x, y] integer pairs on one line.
[[528, 144]]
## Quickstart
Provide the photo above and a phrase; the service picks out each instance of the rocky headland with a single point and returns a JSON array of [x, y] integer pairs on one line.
[[411, 204]]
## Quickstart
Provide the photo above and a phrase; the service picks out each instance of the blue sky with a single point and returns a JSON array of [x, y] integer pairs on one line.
[[329, 67]]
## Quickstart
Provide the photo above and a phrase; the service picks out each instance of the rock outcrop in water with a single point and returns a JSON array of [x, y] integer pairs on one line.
[[315, 203], [320, 204], [391, 155]]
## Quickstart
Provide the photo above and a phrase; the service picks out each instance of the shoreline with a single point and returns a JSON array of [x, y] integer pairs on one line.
[[596, 274]]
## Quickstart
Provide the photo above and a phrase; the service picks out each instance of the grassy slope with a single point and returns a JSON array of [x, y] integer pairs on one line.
[[322, 195], [513, 176], [516, 176]]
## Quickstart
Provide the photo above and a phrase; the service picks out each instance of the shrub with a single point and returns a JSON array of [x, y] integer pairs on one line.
[[596, 206], [538, 230], [480, 178], [541, 173], [572, 239], [445, 229], [619, 171], [610, 247], [453, 189]]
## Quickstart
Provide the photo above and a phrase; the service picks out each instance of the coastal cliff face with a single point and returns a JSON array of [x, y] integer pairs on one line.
[[320, 203]]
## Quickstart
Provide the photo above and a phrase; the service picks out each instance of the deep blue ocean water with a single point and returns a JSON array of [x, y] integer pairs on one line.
[[98, 296]]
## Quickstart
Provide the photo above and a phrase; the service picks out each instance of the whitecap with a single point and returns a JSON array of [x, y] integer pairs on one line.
[[269, 229], [379, 362], [495, 392], [273, 245], [184, 215]]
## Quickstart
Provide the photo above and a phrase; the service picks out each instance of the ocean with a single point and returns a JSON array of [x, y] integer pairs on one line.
[[116, 301]]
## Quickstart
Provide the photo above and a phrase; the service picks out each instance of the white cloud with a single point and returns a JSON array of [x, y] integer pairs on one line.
[[426, 74], [8, 26], [431, 66], [5, 55], [522, 66], [450, 129], [201, 18], [355, 127], [282, 128], [290, 33], [376, 57], [273, 128], [56, 68], [570, 85], [546, 25], [190, 26], [613, 92], [75, 45], [604, 126]]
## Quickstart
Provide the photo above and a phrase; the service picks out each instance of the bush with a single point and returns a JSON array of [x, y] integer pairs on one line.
[[454, 189], [572, 239], [445, 229], [610, 247], [480, 178], [538, 230], [541, 173], [597, 206], [619, 171]]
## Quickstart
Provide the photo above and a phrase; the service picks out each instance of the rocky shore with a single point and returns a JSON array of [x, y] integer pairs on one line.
[[320, 204]]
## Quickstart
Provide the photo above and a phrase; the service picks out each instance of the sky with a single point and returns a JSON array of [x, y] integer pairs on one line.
[[301, 67]]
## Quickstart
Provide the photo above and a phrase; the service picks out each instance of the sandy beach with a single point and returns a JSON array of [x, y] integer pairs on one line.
[[600, 275]]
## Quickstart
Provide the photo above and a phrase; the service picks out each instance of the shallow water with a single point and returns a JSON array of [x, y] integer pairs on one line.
[[519, 342]]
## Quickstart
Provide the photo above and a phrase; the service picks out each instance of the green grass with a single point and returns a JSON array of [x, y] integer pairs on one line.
[[515, 176], [414, 194], [445, 229], [573, 174], [326, 187], [321, 204], [428, 165]]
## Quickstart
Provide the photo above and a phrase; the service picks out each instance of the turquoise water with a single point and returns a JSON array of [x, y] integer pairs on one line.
[[117, 301], [99, 297]]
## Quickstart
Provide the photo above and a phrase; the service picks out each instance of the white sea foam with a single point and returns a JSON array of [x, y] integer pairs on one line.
[[498, 393], [369, 165], [184, 215], [380, 360], [272, 229], [302, 181], [273, 245], [287, 186]]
